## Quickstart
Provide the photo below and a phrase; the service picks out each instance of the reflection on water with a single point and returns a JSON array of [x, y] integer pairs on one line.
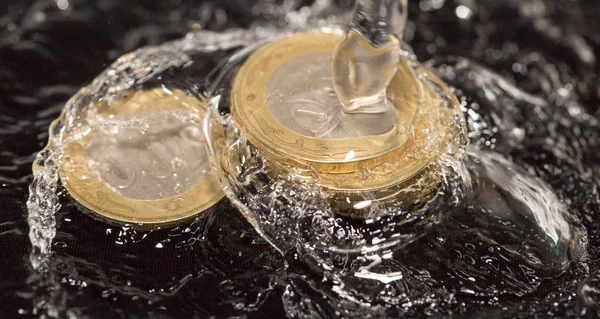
[[530, 96]]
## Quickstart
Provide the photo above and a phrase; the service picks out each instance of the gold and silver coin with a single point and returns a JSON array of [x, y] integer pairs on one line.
[[143, 160], [282, 99]]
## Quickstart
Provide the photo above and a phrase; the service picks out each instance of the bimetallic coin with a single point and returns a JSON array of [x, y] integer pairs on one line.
[[143, 161], [282, 98]]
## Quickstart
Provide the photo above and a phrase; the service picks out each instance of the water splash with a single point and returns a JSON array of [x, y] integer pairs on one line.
[[507, 236], [499, 229], [137, 70], [284, 208], [560, 158]]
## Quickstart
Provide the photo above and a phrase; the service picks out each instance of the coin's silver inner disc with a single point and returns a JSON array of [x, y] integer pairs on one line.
[[162, 161], [300, 96]]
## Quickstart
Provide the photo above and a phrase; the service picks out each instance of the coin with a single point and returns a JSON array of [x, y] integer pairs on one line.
[[143, 161], [282, 100]]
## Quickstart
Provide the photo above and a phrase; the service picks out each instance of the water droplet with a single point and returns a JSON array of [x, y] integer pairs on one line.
[[178, 164]]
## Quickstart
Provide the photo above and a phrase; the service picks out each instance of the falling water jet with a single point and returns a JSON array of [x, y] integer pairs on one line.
[[365, 61]]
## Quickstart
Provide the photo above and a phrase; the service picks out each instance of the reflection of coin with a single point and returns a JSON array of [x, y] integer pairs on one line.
[[144, 162]]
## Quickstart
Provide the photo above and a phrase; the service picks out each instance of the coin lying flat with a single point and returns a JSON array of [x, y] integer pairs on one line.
[[284, 102], [143, 160]]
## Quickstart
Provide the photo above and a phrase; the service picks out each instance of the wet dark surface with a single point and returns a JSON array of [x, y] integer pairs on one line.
[[218, 265]]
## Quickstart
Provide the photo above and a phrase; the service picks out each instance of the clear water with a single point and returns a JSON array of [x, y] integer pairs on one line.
[[521, 241], [365, 61]]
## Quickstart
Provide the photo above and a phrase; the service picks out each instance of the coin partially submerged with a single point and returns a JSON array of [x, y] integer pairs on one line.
[[143, 160], [284, 102]]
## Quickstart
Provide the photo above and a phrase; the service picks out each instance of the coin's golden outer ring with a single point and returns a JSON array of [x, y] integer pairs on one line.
[[81, 184], [377, 161]]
